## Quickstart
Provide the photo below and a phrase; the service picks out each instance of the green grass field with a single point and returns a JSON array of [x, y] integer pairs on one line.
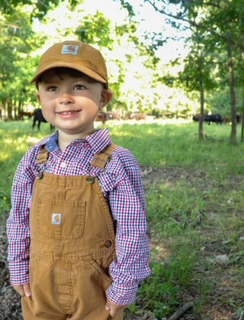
[[195, 202]]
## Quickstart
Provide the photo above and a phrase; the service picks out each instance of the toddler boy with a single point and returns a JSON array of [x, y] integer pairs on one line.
[[77, 228]]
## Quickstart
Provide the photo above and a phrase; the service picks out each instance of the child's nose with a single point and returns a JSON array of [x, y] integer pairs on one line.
[[66, 98]]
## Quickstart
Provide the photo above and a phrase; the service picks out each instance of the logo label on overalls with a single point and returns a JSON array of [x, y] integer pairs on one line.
[[56, 218]]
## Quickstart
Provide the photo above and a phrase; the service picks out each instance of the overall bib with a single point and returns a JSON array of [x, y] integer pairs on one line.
[[72, 246]]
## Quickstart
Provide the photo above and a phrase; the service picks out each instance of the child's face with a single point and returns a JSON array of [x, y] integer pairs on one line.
[[71, 104]]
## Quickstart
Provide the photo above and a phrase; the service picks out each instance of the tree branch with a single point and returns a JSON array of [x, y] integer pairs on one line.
[[183, 309], [196, 25]]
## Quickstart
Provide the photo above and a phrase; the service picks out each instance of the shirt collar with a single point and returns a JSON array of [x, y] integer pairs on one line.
[[52, 143], [98, 141]]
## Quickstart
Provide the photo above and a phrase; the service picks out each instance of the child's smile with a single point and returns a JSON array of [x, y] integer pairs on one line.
[[68, 114]]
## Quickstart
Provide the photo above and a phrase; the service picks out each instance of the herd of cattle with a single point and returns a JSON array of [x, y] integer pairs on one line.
[[105, 116], [102, 116]]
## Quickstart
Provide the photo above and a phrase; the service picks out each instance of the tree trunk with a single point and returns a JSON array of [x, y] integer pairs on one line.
[[242, 126], [14, 108], [9, 109], [201, 130], [233, 136], [19, 107], [201, 80], [4, 112], [242, 117]]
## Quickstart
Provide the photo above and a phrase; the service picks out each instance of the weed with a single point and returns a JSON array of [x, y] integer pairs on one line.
[[240, 313], [160, 291]]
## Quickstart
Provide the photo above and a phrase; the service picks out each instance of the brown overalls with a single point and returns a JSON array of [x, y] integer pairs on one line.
[[72, 246]]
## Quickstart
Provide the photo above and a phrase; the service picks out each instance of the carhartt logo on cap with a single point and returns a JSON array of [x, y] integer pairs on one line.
[[56, 218], [70, 49]]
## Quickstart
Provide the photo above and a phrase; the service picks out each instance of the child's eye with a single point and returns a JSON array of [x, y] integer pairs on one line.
[[52, 88], [79, 87]]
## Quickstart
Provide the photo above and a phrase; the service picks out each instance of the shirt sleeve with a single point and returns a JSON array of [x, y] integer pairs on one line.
[[128, 207], [18, 229]]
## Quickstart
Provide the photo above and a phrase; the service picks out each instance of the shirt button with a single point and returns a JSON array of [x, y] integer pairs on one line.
[[62, 164], [108, 243], [90, 180]]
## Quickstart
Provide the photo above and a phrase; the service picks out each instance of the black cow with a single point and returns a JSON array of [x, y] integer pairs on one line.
[[209, 118], [38, 117], [196, 117], [213, 118]]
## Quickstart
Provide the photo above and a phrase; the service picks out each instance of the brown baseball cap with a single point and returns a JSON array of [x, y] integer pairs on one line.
[[75, 55]]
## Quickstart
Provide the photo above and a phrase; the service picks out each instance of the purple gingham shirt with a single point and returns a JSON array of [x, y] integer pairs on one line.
[[122, 186]]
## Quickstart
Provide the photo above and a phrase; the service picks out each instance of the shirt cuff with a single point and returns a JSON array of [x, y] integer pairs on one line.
[[120, 295], [19, 273]]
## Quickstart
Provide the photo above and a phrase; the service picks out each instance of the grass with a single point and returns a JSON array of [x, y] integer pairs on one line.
[[195, 209], [171, 145]]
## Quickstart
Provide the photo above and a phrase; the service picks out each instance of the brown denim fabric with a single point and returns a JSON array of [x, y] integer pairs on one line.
[[72, 246]]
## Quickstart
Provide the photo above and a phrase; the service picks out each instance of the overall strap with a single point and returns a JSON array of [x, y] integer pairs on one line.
[[42, 156], [101, 159]]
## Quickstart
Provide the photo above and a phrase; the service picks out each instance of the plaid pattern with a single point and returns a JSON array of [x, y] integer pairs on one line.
[[121, 185]]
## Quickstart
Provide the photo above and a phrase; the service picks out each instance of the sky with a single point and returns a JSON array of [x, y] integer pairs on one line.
[[148, 19]]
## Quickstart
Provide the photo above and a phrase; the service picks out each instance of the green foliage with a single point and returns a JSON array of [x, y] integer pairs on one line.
[[219, 101], [189, 78], [40, 8], [128, 6], [16, 63], [96, 29]]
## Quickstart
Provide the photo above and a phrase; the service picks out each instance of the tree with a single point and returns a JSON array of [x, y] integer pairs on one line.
[[16, 43], [197, 73]]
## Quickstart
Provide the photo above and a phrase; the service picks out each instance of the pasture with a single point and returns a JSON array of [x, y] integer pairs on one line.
[[195, 201]]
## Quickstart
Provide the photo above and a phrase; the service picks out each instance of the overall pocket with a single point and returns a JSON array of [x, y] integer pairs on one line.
[[99, 270], [63, 217]]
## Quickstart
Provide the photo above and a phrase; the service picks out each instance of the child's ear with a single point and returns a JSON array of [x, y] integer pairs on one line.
[[106, 97]]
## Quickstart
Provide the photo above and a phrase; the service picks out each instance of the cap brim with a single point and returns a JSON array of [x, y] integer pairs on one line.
[[72, 65]]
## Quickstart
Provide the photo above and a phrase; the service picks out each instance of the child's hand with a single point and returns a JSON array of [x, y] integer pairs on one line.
[[112, 308], [23, 290]]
